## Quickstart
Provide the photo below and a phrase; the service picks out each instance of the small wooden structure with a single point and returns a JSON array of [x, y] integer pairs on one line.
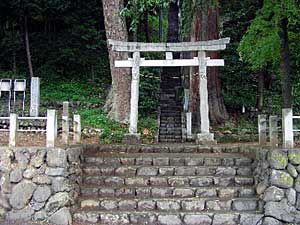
[[201, 61]]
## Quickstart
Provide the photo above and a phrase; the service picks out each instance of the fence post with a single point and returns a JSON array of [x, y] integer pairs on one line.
[[35, 96], [13, 128], [273, 130], [51, 126], [262, 129], [287, 128], [56, 125], [77, 129], [189, 125], [65, 123]]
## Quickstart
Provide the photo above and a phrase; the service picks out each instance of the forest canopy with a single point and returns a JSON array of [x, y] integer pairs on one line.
[[66, 41]]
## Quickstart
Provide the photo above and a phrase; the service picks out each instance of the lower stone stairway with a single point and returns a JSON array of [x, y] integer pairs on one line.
[[156, 186], [170, 129]]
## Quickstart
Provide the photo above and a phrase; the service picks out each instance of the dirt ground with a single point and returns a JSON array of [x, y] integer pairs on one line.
[[39, 140]]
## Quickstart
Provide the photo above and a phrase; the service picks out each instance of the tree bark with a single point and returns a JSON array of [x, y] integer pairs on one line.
[[173, 22], [205, 27], [260, 90], [27, 45], [118, 101], [146, 26], [285, 64], [194, 105], [161, 18]]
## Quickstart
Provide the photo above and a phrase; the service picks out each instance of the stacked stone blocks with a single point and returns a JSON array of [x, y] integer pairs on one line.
[[278, 178], [39, 183]]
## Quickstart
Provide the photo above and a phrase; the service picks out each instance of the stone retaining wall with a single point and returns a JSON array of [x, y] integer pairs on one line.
[[277, 177], [39, 183]]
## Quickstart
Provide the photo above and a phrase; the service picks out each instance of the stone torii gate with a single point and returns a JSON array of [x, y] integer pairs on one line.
[[201, 61]]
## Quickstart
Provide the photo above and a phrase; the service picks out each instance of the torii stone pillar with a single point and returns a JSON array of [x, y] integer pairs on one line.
[[133, 136], [205, 135]]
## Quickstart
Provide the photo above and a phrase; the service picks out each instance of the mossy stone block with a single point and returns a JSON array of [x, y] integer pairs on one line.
[[281, 179], [278, 159], [294, 156]]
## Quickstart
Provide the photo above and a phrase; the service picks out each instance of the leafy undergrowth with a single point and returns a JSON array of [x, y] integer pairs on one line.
[[242, 129], [73, 91], [111, 131]]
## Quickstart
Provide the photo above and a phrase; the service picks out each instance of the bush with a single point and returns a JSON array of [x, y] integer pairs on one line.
[[70, 91], [113, 132]]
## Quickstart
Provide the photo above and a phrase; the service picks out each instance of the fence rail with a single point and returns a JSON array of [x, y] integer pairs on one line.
[[51, 127]]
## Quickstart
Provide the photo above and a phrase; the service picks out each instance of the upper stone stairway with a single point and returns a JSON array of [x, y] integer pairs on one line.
[[167, 185], [170, 129]]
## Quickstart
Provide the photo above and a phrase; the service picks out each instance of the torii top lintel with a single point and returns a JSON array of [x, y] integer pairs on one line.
[[213, 45]]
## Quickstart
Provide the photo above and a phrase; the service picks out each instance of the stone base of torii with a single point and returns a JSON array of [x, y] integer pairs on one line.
[[204, 137]]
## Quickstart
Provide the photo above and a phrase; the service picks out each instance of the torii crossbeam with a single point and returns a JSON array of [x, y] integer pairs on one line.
[[201, 61]]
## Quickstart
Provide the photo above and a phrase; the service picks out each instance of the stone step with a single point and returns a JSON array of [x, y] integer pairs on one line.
[[160, 218], [170, 115], [174, 119], [170, 123], [170, 132], [170, 129], [169, 181], [171, 108], [167, 141], [170, 159], [164, 170], [165, 125], [171, 204], [171, 111], [168, 95], [167, 192], [166, 104], [169, 136], [170, 118], [170, 150], [168, 99], [167, 85]]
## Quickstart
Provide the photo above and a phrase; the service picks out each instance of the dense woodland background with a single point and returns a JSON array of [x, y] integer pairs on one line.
[[64, 43]]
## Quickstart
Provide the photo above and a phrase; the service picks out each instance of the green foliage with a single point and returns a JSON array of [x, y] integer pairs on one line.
[[237, 17], [74, 91], [149, 91], [243, 129], [236, 96], [67, 38], [135, 10], [113, 132], [148, 128], [260, 46]]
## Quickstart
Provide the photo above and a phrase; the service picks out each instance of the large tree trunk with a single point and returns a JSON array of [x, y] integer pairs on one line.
[[205, 27], [260, 90], [27, 46], [161, 18], [118, 101], [146, 26], [173, 22], [285, 65], [218, 112]]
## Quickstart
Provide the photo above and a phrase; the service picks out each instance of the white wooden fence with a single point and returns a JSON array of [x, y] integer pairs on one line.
[[51, 127], [287, 125]]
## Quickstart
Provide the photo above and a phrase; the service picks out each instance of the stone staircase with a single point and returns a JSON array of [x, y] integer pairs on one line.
[[170, 129], [157, 186]]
